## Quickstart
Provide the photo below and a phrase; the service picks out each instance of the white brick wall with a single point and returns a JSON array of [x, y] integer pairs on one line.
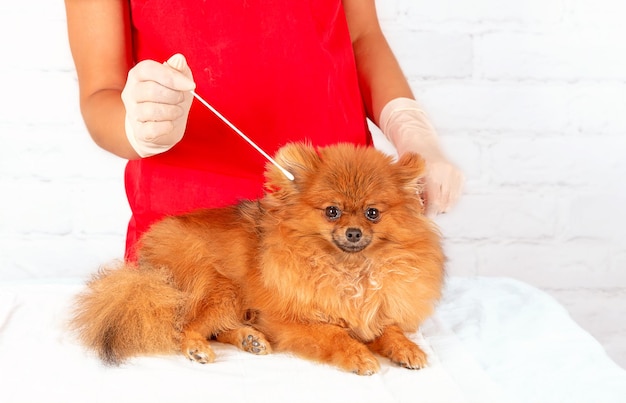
[[529, 98], [62, 205]]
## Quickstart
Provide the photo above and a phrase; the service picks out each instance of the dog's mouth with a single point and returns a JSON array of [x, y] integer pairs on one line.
[[352, 240], [351, 248]]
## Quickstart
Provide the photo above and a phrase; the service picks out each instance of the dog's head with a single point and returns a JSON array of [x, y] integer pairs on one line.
[[345, 198]]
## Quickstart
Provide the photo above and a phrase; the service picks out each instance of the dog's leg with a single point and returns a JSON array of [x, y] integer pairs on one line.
[[196, 347], [394, 345], [215, 310], [324, 343], [246, 338]]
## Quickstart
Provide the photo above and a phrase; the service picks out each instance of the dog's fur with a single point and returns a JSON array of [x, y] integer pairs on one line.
[[333, 266]]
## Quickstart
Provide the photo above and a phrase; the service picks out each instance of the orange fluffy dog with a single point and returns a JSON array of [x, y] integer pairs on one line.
[[333, 266]]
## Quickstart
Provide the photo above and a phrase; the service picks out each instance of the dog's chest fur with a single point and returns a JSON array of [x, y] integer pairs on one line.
[[360, 294]]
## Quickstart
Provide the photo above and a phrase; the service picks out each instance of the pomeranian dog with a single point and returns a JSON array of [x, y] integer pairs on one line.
[[333, 266]]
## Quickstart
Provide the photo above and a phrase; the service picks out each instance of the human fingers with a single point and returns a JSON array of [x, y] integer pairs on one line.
[[163, 74], [151, 91], [157, 112], [155, 133], [444, 184], [157, 99]]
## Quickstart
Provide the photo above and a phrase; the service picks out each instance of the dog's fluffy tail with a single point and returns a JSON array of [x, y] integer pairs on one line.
[[128, 311]]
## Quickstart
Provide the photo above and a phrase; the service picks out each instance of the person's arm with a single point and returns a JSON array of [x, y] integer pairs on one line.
[[99, 37], [380, 77], [131, 112], [390, 104]]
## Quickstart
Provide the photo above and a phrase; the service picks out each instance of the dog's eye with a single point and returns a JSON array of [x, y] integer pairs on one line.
[[372, 214], [333, 212]]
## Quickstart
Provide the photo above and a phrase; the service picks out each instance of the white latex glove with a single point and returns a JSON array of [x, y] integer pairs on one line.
[[157, 101], [404, 123]]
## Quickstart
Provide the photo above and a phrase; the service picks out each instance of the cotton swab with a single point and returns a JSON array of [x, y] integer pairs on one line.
[[243, 136]]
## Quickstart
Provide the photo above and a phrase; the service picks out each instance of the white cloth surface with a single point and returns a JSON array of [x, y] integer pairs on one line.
[[490, 340]]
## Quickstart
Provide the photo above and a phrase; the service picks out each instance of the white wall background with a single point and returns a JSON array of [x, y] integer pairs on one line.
[[529, 98]]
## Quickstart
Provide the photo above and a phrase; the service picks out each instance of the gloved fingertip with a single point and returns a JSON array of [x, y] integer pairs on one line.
[[431, 210], [177, 61]]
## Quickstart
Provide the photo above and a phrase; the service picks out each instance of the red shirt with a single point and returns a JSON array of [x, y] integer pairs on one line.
[[279, 70]]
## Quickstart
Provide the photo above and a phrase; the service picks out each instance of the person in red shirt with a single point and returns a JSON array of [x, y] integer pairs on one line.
[[279, 70]]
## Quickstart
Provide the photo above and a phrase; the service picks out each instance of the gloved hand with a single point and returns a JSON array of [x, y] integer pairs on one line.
[[404, 123], [157, 101]]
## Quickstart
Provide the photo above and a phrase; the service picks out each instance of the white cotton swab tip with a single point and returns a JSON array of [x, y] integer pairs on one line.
[[288, 174]]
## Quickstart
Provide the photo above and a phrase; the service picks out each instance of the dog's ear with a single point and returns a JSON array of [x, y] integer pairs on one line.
[[410, 172], [300, 159]]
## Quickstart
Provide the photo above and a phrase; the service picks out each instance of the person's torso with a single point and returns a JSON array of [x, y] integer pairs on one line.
[[279, 70]]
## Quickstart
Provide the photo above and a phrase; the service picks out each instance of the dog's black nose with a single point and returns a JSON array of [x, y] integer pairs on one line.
[[353, 234]]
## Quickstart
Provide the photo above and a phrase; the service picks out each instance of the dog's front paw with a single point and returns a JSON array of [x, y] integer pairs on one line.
[[410, 356], [366, 366], [360, 362], [198, 349], [394, 345]]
